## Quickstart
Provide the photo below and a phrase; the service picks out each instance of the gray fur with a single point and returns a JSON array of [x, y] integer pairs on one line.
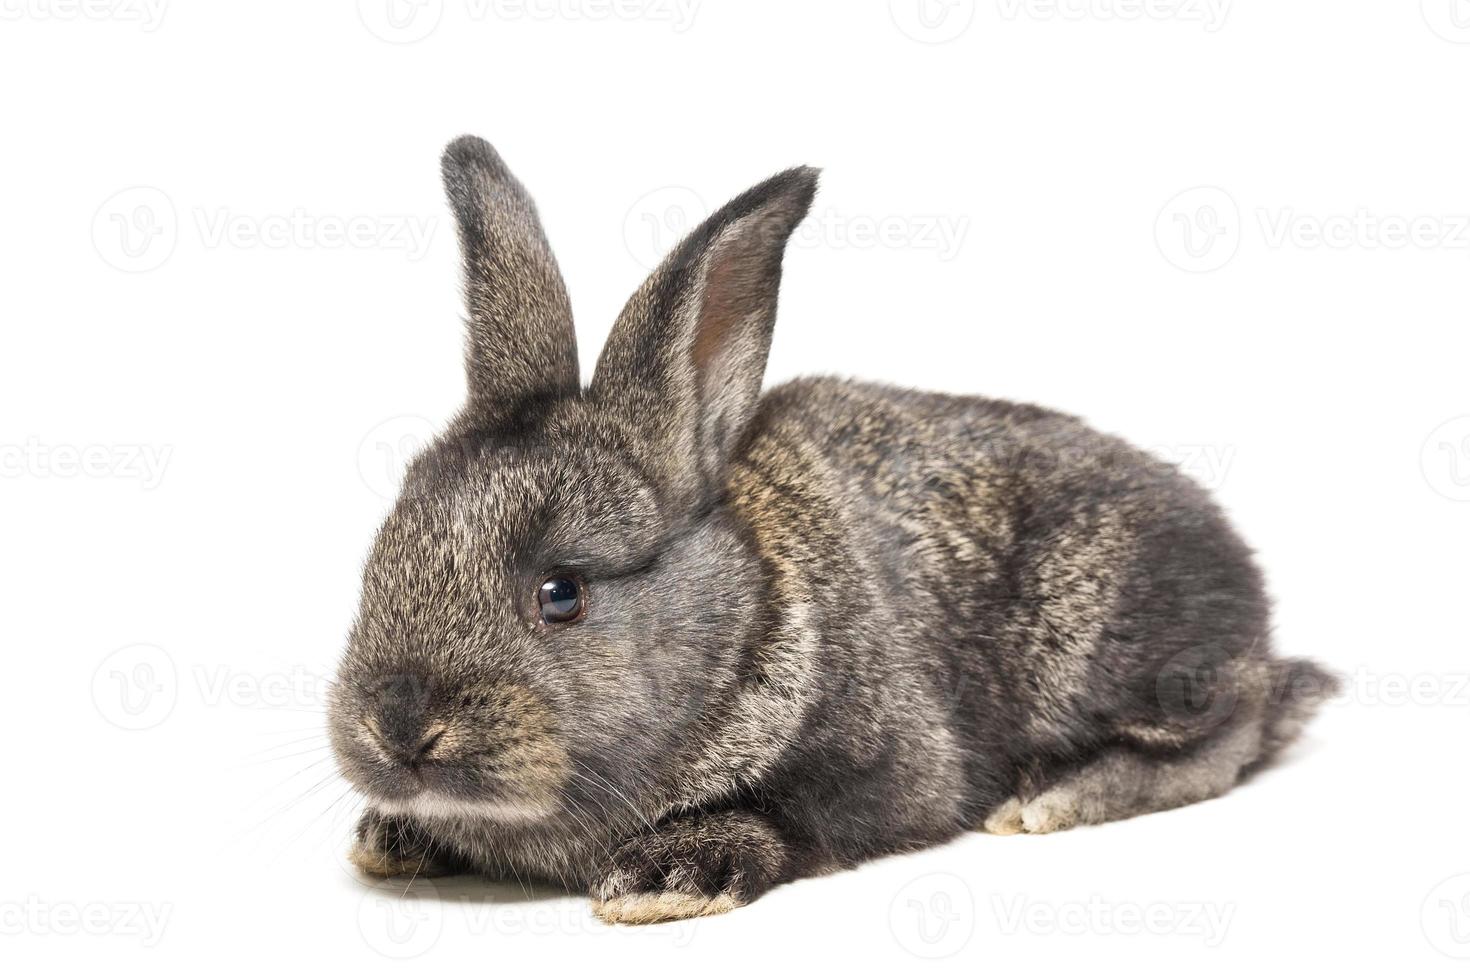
[[824, 624]]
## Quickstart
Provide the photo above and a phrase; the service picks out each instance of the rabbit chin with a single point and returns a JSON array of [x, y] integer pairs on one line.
[[430, 805]]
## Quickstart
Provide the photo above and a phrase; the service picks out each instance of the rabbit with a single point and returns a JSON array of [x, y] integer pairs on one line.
[[670, 640]]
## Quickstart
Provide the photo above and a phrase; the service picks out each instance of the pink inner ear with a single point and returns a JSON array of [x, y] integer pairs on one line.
[[733, 287]]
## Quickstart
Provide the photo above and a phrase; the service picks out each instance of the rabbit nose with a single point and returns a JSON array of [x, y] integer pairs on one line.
[[401, 723], [410, 749]]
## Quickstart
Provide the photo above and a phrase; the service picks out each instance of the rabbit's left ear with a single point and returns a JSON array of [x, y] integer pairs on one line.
[[683, 364], [520, 346]]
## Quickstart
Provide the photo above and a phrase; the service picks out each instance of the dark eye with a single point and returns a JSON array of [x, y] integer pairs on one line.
[[560, 599]]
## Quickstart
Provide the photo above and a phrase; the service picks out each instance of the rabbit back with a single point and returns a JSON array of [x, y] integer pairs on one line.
[[991, 592]]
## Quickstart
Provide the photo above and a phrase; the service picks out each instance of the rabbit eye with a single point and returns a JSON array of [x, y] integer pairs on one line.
[[560, 598]]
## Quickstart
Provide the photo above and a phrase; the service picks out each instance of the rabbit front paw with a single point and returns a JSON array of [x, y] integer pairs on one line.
[[386, 847], [697, 865]]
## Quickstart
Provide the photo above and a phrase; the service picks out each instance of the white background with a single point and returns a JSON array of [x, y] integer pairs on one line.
[[1236, 233]]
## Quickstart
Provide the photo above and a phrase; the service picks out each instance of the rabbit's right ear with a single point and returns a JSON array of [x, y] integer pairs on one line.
[[682, 367], [520, 346]]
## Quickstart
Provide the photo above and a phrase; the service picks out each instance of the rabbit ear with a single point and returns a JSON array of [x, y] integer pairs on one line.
[[521, 346], [683, 364]]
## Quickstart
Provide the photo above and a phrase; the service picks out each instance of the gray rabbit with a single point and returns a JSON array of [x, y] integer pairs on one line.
[[672, 640]]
